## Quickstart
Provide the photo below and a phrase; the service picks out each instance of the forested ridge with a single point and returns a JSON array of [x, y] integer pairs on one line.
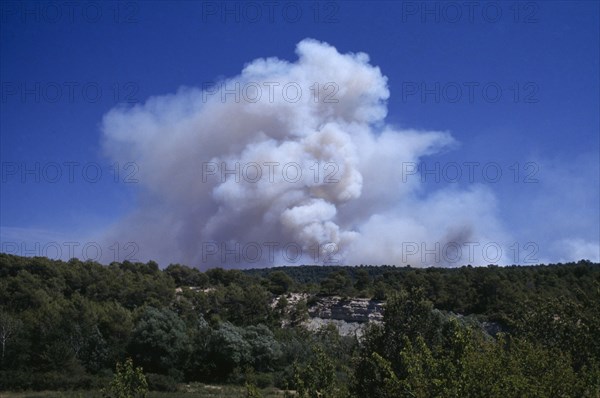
[[65, 325]]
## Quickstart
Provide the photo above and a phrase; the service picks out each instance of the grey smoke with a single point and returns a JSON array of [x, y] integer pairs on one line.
[[366, 212]]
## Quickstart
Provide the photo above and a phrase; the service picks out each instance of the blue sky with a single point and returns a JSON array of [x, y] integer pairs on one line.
[[63, 69]]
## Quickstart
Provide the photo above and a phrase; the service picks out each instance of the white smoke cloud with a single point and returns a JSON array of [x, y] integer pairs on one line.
[[580, 249], [311, 164]]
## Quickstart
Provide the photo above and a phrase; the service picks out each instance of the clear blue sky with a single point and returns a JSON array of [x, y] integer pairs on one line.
[[129, 51]]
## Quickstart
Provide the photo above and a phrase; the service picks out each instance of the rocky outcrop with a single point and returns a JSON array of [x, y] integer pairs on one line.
[[355, 310], [349, 316]]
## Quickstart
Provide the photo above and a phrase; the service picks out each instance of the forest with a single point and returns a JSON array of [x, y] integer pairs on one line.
[[132, 329]]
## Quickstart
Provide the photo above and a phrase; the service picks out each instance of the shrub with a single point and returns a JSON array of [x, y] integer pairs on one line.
[[129, 382], [263, 380], [158, 382], [252, 391]]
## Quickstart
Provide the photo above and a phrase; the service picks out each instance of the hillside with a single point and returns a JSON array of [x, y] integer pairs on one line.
[[361, 331]]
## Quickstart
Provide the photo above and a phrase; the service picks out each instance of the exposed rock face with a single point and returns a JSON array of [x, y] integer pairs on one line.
[[357, 310], [344, 328], [349, 316]]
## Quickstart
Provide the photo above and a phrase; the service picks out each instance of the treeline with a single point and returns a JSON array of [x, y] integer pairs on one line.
[[66, 324], [500, 293]]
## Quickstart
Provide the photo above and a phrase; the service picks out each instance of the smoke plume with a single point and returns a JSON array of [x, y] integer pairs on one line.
[[290, 163]]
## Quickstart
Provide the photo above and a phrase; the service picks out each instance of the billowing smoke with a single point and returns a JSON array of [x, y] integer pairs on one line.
[[290, 163]]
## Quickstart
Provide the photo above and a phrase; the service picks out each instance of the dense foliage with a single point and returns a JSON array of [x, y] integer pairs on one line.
[[66, 325]]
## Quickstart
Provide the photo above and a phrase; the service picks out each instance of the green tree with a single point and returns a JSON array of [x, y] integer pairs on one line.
[[318, 378], [160, 342], [299, 313], [409, 314], [228, 349], [128, 382], [337, 283], [279, 282], [186, 276], [363, 280]]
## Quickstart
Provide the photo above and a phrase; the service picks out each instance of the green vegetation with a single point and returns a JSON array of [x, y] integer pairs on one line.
[[128, 382], [461, 332]]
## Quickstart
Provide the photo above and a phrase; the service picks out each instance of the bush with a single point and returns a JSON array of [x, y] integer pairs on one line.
[[15, 381], [252, 391], [62, 381], [129, 382], [158, 382], [284, 378], [263, 380], [20, 380]]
